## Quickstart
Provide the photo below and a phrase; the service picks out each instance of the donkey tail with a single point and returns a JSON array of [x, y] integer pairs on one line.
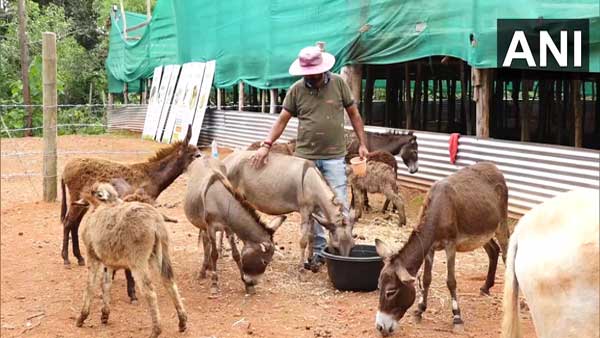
[[161, 252], [63, 203], [511, 326]]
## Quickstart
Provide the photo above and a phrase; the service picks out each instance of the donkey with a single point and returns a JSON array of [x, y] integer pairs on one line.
[[561, 282], [152, 177], [279, 147], [380, 178], [461, 212], [128, 235], [212, 204], [391, 142], [286, 184]]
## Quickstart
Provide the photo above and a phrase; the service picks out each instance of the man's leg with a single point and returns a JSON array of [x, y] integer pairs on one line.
[[334, 171]]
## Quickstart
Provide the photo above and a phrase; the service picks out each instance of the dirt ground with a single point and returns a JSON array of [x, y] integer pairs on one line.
[[41, 298]]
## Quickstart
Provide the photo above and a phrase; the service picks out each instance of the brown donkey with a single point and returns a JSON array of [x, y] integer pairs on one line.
[[461, 213], [212, 204], [128, 235], [152, 176]]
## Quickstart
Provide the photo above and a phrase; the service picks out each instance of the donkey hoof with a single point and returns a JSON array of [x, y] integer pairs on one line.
[[80, 320], [214, 290], [104, 317], [67, 263], [418, 317], [250, 290], [484, 291], [81, 262], [133, 301], [182, 322], [458, 328]]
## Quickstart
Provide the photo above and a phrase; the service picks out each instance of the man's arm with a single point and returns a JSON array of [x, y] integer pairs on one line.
[[279, 126], [359, 129], [260, 157]]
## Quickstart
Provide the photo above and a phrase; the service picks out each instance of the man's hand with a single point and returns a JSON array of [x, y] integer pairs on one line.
[[260, 157], [363, 151]]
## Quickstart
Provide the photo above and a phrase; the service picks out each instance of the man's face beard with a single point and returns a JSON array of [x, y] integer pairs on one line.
[[314, 80]]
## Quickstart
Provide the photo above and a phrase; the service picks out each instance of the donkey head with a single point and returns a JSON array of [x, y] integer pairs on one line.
[[257, 255], [396, 291], [98, 193], [410, 155], [340, 232], [187, 152]]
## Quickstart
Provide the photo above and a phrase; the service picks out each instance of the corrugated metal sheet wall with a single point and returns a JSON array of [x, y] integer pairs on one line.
[[127, 117], [534, 172]]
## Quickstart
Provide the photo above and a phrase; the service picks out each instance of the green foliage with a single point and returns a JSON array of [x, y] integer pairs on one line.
[[82, 47]]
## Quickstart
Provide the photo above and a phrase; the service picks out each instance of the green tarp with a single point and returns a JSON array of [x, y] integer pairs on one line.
[[255, 41]]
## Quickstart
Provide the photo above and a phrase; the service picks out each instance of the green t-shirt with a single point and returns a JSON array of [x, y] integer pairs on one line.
[[320, 114]]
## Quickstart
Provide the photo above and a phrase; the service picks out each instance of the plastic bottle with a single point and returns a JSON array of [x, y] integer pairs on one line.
[[215, 149]]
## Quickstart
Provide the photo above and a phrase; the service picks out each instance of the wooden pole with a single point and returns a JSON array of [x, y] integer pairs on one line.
[[148, 10], [578, 118], [407, 98], [124, 19], [110, 100], [481, 95], [50, 102], [369, 95], [263, 100], [144, 97], [219, 98], [273, 101], [241, 96], [24, 48], [125, 93], [525, 112], [353, 76]]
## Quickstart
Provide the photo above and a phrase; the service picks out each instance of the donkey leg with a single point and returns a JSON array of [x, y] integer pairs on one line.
[[74, 220], [235, 254], [206, 251], [214, 255], [386, 204], [75, 239], [106, 285], [366, 199], [422, 306], [503, 235], [305, 230], [360, 202], [130, 287], [65, 246], [451, 283], [173, 291], [93, 272], [140, 274], [492, 249], [397, 201]]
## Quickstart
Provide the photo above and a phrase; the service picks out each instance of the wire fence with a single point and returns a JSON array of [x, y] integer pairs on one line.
[[71, 119], [23, 160]]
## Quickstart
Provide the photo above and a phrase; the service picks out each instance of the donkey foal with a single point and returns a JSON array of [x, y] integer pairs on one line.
[[126, 235]]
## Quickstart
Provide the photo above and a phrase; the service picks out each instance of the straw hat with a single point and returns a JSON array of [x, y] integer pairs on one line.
[[312, 60]]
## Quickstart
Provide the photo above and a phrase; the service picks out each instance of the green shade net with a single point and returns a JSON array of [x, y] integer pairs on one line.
[[256, 41]]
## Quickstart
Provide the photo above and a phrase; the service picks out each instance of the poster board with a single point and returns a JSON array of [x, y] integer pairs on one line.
[[168, 98], [155, 103], [198, 118], [184, 102]]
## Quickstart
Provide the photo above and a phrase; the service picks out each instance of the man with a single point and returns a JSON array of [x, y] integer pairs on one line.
[[318, 101]]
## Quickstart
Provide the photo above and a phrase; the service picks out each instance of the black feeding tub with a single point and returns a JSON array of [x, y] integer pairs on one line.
[[359, 272]]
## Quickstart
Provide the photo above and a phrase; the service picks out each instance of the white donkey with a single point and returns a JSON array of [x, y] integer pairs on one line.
[[553, 256]]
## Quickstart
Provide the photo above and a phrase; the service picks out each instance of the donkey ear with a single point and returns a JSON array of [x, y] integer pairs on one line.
[[383, 249], [81, 202], [276, 222], [404, 276], [188, 136]]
